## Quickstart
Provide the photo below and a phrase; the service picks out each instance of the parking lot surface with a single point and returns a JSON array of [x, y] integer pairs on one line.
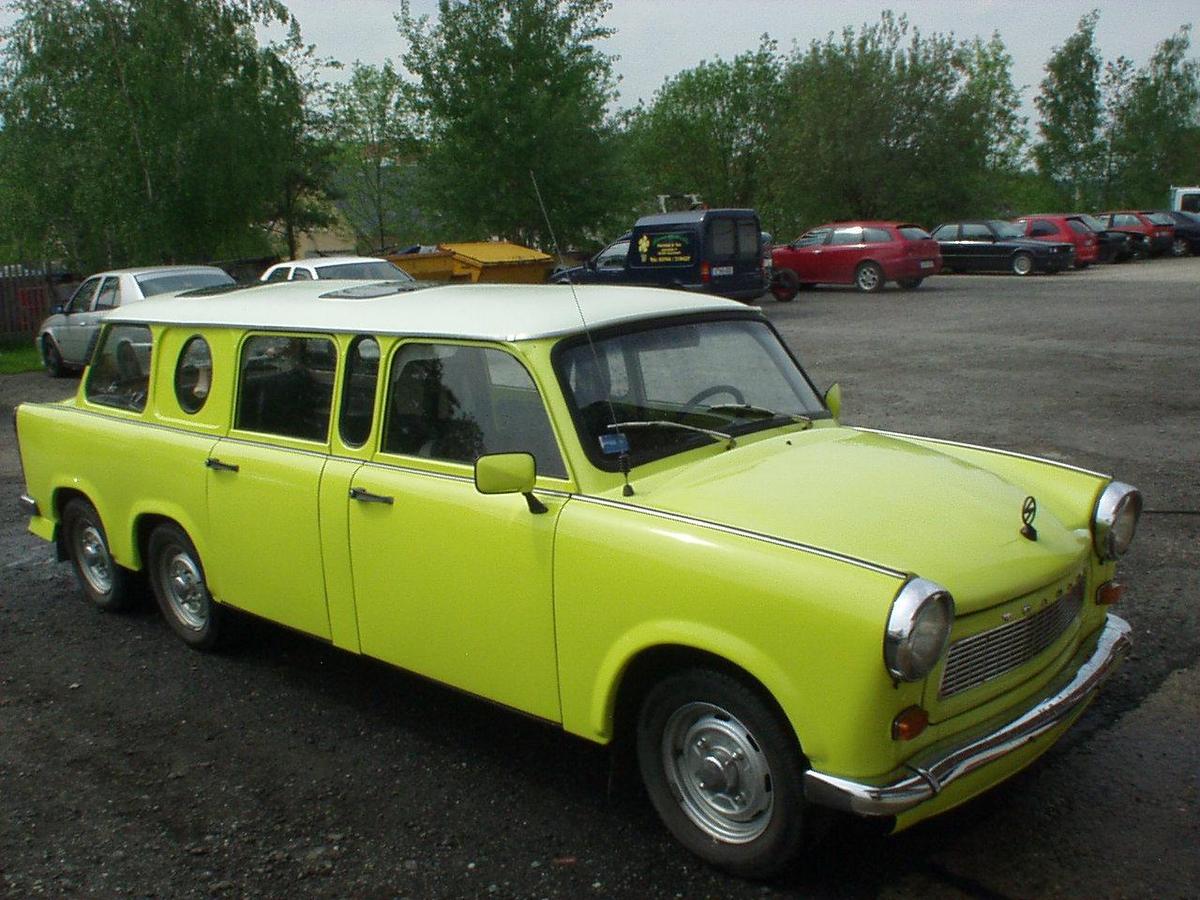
[[130, 765]]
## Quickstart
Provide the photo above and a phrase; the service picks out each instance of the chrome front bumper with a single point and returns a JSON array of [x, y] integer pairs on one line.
[[28, 505], [931, 773]]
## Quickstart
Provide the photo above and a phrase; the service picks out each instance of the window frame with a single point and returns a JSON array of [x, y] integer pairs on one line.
[[240, 385], [187, 344]]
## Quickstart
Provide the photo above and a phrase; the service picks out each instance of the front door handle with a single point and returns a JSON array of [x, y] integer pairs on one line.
[[213, 463], [357, 493]]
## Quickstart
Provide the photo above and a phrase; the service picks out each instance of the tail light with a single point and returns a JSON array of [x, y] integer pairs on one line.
[[705, 272]]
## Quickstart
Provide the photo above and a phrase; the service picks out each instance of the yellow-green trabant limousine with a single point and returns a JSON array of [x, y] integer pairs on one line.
[[650, 528]]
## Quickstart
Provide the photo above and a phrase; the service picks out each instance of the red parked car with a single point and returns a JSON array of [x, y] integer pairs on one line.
[[865, 254], [1064, 229], [1158, 230]]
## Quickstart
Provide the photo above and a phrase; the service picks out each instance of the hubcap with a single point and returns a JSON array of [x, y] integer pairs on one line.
[[718, 773], [1023, 264], [184, 588], [867, 278], [94, 561]]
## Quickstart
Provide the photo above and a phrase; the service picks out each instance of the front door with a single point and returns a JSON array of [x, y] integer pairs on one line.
[[79, 322], [450, 583]]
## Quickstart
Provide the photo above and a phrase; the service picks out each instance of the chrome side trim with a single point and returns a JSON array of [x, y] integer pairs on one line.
[[746, 533], [931, 773], [28, 505], [996, 450]]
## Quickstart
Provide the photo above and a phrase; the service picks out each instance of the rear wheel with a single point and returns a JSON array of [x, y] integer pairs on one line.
[[177, 576], [868, 277], [1022, 264], [910, 284], [784, 285], [52, 359], [108, 585], [724, 772], [1179, 247]]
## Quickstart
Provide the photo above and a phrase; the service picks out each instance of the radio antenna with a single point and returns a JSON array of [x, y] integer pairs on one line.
[[627, 490]]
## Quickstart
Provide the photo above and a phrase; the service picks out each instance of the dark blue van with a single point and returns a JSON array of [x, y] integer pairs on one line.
[[718, 251]]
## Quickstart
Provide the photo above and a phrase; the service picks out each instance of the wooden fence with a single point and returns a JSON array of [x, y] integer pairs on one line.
[[26, 295]]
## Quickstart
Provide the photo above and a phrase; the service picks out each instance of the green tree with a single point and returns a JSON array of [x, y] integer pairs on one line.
[[371, 119], [142, 131], [707, 129], [1070, 150], [506, 87]]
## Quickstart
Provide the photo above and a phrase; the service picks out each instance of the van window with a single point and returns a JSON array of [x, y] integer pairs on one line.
[[120, 372], [722, 239], [286, 385], [457, 403], [358, 392], [193, 374], [658, 249], [747, 237]]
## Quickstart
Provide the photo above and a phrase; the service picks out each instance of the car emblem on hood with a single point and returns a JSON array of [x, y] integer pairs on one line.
[[1028, 511]]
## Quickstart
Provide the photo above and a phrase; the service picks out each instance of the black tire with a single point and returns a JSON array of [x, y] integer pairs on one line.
[[177, 577], [52, 359], [698, 724], [909, 284], [108, 586], [1022, 263], [868, 277], [1179, 247], [784, 285]]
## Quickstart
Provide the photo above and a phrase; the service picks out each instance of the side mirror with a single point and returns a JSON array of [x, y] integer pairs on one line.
[[833, 400], [57, 309], [508, 473]]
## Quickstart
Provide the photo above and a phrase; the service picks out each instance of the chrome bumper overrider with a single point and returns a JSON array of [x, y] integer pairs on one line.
[[931, 773]]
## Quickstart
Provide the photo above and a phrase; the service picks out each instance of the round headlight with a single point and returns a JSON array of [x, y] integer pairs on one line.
[[1116, 519], [918, 629]]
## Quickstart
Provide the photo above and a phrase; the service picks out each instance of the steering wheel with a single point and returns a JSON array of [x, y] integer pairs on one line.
[[717, 389]]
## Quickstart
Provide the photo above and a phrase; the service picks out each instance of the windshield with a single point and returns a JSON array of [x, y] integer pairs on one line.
[[1006, 230], [1093, 223], [1160, 218], [731, 376], [152, 285], [376, 270]]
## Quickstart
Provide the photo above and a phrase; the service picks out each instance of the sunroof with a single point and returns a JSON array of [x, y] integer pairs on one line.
[[373, 290]]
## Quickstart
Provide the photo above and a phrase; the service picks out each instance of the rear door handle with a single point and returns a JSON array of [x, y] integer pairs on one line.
[[365, 496], [213, 463]]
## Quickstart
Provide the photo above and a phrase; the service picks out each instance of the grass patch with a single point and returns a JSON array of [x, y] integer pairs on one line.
[[16, 358]]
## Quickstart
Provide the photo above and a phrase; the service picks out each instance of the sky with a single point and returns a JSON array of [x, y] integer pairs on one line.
[[657, 38]]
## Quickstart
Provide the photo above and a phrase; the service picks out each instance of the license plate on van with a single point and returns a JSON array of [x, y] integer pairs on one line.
[[722, 270]]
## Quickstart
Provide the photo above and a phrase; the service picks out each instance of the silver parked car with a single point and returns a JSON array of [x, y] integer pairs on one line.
[[65, 338]]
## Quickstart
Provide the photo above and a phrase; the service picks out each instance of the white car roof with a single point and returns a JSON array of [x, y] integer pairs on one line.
[[499, 312], [319, 262], [156, 270]]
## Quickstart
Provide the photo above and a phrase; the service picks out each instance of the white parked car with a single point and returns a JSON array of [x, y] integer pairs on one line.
[[355, 268], [64, 339]]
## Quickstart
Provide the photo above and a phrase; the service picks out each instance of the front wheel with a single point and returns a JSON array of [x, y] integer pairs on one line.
[[109, 586], [724, 772], [1022, 264], [868, 277], [909, 284], [177, 576], [784, 285], [52, 359]]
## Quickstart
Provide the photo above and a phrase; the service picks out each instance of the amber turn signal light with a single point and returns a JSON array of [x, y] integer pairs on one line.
[[1109, 593], [909, 723]]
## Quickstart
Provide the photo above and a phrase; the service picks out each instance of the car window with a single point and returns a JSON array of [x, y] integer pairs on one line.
[[193, 374], [613, 256], [109, 295], [812, 238], [976, 232], [877, 236], [285, 384], [456, 403], [945, 233], [1042, 229], [722, 238], [747, 239], [153, 285], [1160, 218], [120, 371], [358, 391], [847, 235], [1006, 231], [370, 270], [913, 233], [1079, 227], [1125, 220], [81, 300], [279, 274], [301, 274]]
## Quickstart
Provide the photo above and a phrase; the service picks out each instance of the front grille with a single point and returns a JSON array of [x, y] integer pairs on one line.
[[990, 654]]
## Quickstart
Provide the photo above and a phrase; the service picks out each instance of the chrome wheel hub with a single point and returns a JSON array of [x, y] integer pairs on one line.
[[94, 561], [868, 278], [185, 590], [719, 775]]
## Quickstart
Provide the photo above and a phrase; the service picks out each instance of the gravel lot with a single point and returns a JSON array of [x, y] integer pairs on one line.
[[132, 766]]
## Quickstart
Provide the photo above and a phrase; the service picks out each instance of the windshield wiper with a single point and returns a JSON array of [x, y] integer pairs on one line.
[[762, 411], [664, 423]]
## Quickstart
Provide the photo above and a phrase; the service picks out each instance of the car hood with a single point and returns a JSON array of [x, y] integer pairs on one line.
[[879, 499]]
